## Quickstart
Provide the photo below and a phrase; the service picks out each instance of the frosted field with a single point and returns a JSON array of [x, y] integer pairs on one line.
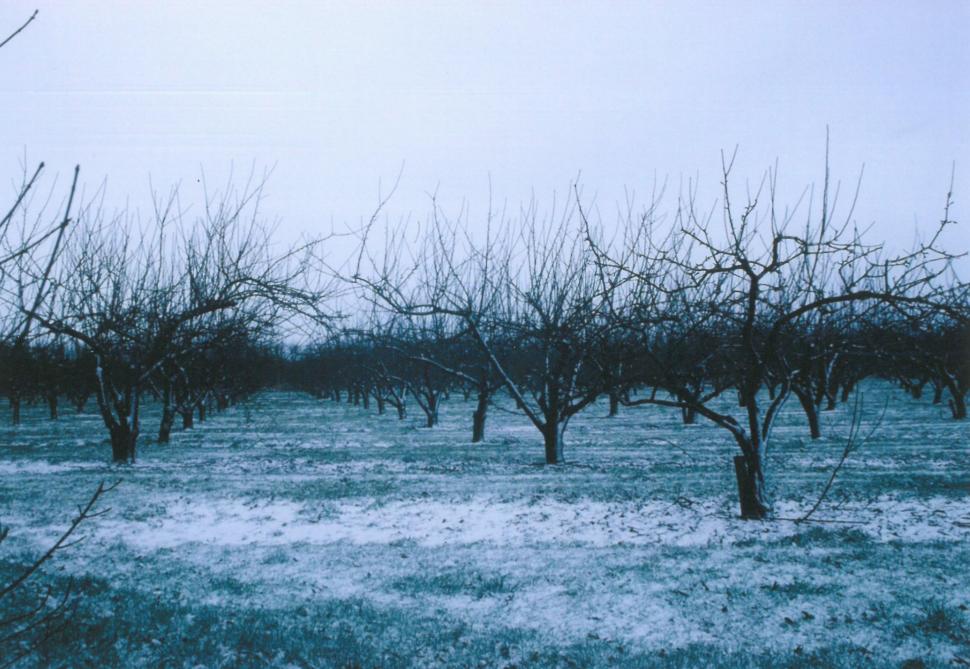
[[294, 532]]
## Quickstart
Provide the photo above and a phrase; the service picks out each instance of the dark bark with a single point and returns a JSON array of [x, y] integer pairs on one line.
[[689, 415], [751, 488], [958, 399], [188, 418], [15, 410], [811, 413], [614, 403], [168, 414], [52, 406], [123, 440], [478, 417], [165, 426], [847, 389], [431, 413], [552, 438], [937, 392]]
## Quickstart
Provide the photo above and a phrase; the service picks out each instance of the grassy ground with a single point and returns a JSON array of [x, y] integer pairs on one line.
[[293, 532]]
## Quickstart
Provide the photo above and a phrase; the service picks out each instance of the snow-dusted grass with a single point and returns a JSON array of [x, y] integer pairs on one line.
[[297, 532]]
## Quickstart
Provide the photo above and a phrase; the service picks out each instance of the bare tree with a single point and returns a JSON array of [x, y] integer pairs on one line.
[[764, 282], [529, 295], [138, 297]]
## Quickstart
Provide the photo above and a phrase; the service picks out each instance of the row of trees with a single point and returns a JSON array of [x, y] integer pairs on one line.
[[382, 366], [180, 308], [673, 311], [679, 311]]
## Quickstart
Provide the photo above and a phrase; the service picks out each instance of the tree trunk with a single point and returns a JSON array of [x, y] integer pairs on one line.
[[958, 406], [916, 390], [165, 427], [431, 412], [52, 405], [123, 441], [937, 392], [188, 419], [380, 404], [79, 402], [168, 414], [958, 399], [202, 410], [614, 403], [402, 411], [751, 488], [811, 413], [365, 398], [552, 436], [689, 415], [15, 410], [846, 391], [478, 418]]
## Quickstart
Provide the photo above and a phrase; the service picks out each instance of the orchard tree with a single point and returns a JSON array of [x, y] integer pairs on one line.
[[139, 297], [764, 281], [528, 295]]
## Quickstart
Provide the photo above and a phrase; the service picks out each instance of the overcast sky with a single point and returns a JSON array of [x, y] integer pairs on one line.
[[338, 95]]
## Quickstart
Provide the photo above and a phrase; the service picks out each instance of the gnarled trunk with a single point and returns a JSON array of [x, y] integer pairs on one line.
[[52, 406]]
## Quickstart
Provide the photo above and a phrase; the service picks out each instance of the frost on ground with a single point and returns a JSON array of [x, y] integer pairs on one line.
[[297, 532]]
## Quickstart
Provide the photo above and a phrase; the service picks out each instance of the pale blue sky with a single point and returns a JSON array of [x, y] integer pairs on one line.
[[338, 94]]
